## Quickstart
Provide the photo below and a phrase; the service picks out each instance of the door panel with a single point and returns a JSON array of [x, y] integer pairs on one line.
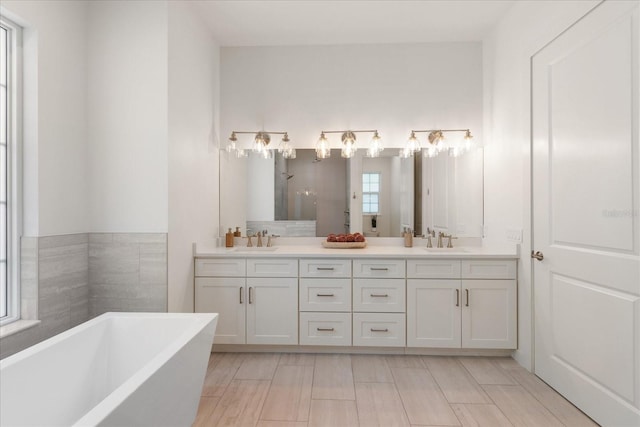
[[586, 191], [433, 313], [225, 296], [272, 311], [489, 314], [584, 338]]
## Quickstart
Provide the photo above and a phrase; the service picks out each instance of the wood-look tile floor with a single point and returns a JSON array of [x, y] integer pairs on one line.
[[272, 389]]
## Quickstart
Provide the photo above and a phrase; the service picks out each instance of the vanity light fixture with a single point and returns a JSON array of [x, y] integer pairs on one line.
[[261, 144], [436, 143], [348, 143]]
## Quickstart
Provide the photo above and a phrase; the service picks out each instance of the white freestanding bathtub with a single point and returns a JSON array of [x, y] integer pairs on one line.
[[119, 369]]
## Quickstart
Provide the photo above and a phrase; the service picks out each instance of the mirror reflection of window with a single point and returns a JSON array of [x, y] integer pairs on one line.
[[371, 193]]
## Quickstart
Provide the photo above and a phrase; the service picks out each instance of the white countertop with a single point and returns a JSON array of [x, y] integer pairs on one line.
[[380, 248]]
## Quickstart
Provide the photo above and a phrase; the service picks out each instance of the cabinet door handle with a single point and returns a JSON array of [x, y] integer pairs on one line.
[[379, 268], [241, 292], [325, 329], [467, 292], [379, 330], [457, 297], [380, 295], [325, 295], [250, 288], [325, 268]]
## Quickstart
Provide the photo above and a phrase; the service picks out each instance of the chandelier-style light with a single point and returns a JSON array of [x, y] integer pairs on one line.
[[323, 150]]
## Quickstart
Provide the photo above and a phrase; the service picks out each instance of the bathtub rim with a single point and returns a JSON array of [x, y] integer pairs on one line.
[[118, 395]]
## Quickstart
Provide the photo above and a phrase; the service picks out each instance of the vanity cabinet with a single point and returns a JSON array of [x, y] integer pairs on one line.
[[257, 299], [360, 302], [471, 305]]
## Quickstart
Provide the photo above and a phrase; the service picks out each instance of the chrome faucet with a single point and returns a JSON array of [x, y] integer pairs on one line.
[[440, 236]]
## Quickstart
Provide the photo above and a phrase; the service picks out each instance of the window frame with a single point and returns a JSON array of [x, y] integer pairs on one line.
[[14, 168], [376, 193]]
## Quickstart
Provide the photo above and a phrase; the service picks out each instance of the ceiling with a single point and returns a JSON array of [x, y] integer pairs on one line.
[[330, 22]]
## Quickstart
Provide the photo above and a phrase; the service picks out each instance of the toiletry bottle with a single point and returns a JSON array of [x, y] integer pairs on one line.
[[237, 233], [229, 238], [408, 238]]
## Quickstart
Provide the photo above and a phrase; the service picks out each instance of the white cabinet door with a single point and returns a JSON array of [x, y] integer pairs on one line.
[[489, 314], [433, 313], [272, 310], [225, 296]]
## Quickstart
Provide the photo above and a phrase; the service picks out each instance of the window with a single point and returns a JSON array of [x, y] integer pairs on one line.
[[371, 193], [9, 163]]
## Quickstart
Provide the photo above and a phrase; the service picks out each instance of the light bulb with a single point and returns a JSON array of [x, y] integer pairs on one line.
[[413, 144], [322, 147], [467, 140], [348, 144], [375, 146]]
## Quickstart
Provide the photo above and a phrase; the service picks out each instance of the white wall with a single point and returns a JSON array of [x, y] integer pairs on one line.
[[193, 72], [507, 52], [127, 116], [393, 88], [55, 136]]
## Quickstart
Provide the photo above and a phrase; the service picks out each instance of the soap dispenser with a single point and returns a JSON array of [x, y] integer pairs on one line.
[[229, 238]]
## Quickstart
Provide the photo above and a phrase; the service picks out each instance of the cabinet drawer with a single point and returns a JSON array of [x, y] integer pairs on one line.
[[379, 329], [489, 269], [325, 294], [272, 267], [379, 268], [325, 268], [433, 269], [325, 329], [220, 267], [379, 295]]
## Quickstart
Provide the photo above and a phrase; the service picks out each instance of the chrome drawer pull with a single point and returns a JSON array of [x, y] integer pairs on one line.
[[379, 295], [379, 330], [325, 268], [325, 295], [325, 329], [241, 292], [379, 268], [457, 297], [467, 292]]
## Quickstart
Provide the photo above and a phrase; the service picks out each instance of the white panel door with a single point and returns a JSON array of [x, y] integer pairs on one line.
[[586, 222], [433, 313], [272, 310], [225, 296]]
